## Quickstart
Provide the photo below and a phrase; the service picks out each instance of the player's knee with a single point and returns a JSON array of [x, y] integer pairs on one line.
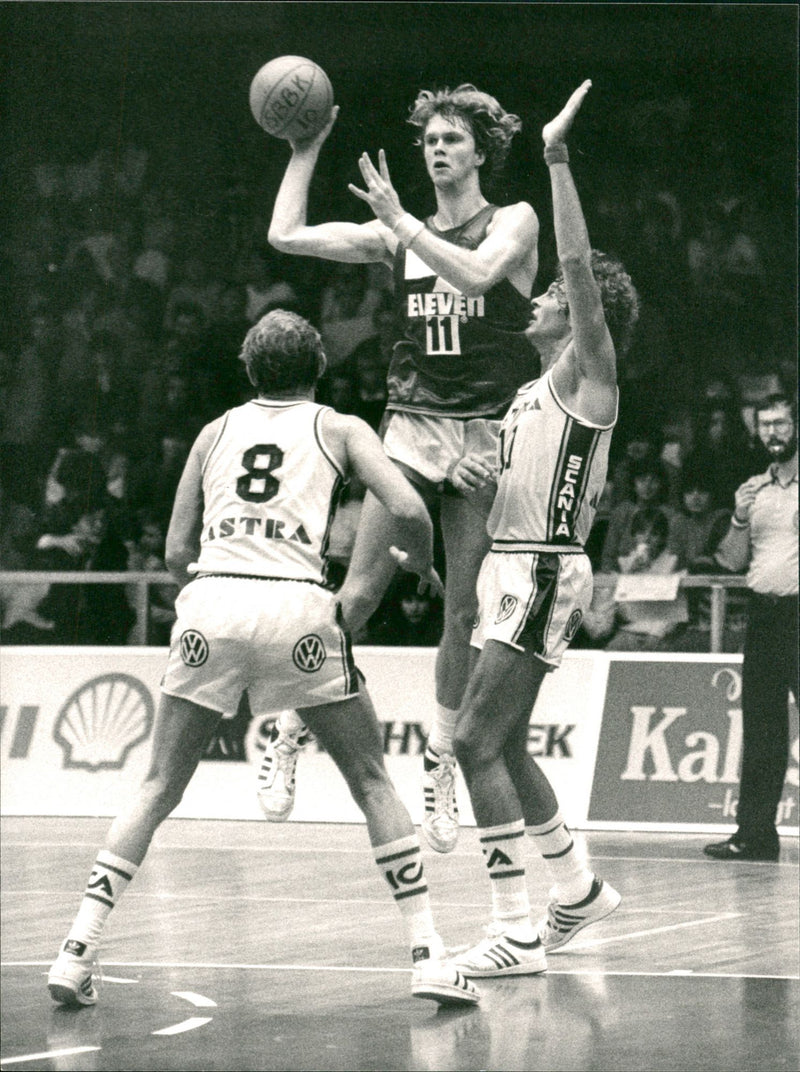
[[161, 795], [369, 786], [459, 620], [473, 749]]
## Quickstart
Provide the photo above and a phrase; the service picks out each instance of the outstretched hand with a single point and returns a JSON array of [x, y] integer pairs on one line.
[[557, 129], [380, 195], [429, 581]]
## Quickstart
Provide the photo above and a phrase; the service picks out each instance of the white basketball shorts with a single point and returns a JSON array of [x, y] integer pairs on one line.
[[283, 641], [533, 601], [431, 445]]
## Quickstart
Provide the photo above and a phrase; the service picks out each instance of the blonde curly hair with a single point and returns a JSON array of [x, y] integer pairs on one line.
[[490, 124]]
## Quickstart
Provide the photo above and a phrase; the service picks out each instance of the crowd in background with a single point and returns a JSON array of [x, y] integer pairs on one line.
[[126, 302]]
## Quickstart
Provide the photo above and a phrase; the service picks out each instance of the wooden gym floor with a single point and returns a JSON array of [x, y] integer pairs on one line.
[[275, 947]]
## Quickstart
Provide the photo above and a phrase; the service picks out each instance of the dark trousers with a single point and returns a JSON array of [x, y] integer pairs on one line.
[[769, 673]]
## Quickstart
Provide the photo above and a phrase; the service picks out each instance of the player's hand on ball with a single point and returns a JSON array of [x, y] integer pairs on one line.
[[379, 194], [315, 144], [557, 129], [429, 580]]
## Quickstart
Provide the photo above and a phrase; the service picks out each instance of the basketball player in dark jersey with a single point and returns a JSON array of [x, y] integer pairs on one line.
[[463, 280]]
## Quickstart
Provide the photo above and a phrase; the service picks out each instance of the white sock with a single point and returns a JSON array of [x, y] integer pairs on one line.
[[109, 879], [572, 879], [503, 849], [400, 862], [440, 739]]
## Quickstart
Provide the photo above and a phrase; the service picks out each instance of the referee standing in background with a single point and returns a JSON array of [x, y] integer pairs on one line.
[[763, 537]]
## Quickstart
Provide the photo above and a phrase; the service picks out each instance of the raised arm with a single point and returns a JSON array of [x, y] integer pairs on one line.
[[289, 231], [591, 361], [509, 249]]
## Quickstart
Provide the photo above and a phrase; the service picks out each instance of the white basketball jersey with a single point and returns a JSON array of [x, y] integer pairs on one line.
[[270, 490], [552, 470]]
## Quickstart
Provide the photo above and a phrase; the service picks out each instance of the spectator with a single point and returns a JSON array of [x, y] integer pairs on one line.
[[20, 619], [193, 286], [154, 263], [347, 308], [158, 475], [728, 277], [369, 363], [228, 383], [180, 369], [146, 554], [27, 410], [703, 524], [94, 613], [722, 448], [405, 617], [640, 438], [101, 397], [646, 625], [649, 490], [75, 475], [264, 286]]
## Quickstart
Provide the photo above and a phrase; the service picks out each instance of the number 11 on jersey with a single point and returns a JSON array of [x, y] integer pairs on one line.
[[442, 335]]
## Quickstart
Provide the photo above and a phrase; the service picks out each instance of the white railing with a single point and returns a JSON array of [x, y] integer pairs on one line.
[[141, 581]]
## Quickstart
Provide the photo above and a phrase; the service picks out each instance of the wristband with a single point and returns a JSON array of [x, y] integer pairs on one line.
[[557, 153], [737, 524], [407, 228]]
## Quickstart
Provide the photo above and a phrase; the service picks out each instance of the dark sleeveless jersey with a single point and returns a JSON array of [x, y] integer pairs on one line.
[[457, 356]]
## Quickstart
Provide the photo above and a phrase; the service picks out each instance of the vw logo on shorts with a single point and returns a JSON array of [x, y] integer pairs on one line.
[[194, 648], [309, 653], [575, 620], [508, 605]]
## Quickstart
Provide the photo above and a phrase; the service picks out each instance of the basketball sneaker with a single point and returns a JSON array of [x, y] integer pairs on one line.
[[499, 954], [563, 921], [440, 824], [436, 978], [276, 776], [70, 979]]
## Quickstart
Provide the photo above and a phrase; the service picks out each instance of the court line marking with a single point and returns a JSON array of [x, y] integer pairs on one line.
[[344, 851], [184, 1025], [49, 1053], [199, 1000], [378, 902], [217, 966], [591, 943]]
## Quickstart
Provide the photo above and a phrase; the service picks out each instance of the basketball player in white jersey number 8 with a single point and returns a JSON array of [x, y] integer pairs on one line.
[[248, 541], [536, 580], [463, 280]]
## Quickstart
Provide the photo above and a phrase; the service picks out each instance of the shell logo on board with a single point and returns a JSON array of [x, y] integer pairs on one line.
[[103, 721]]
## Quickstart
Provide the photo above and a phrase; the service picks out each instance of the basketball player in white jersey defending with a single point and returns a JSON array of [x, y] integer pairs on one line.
[[462, 285], [536, 582], [249, 530]]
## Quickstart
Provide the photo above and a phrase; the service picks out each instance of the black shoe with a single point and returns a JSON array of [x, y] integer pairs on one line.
[[736, 848]]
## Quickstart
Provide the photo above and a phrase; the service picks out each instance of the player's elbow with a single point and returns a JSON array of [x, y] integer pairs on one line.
[[279, 239], [479, 282], [575, 260], [177, 557]]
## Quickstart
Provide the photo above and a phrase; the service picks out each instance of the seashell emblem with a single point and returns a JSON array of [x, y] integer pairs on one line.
[[103, 720]]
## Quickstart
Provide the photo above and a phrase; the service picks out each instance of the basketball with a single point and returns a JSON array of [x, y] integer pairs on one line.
[[291, 97]]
